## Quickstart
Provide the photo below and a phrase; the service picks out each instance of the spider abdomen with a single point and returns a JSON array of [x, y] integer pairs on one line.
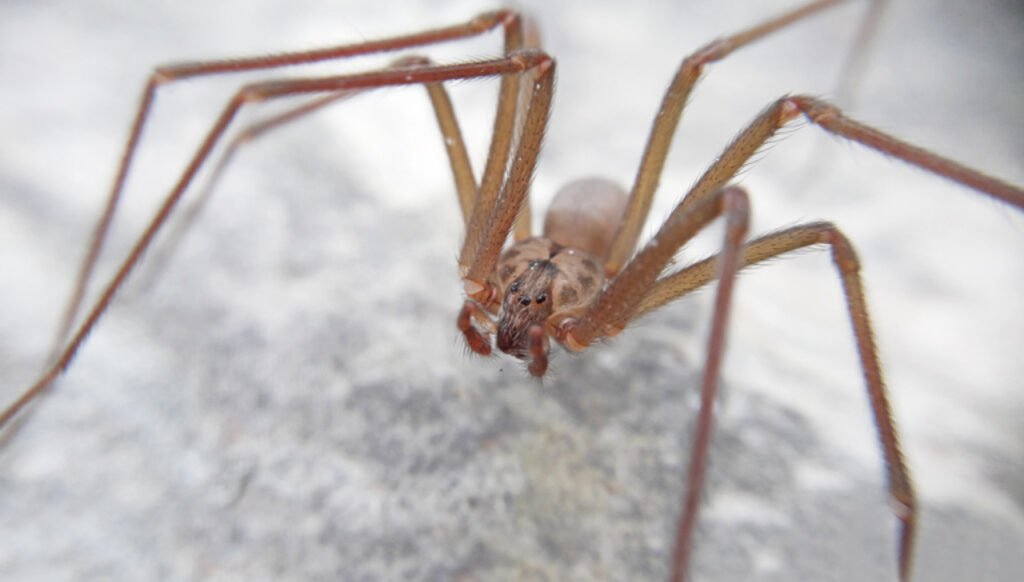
[[585, 215]]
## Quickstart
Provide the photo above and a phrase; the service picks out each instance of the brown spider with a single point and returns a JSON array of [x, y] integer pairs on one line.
[[535, 291]]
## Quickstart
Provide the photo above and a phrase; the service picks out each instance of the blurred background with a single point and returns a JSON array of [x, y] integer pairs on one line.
[[286, 397]]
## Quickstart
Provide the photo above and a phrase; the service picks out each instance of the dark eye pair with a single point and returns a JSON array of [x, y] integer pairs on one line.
[[525, 299]]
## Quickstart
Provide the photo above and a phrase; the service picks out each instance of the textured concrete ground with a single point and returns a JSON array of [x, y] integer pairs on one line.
[[287, 399]]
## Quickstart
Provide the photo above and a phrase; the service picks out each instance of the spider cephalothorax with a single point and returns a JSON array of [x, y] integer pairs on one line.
[[544, 284]]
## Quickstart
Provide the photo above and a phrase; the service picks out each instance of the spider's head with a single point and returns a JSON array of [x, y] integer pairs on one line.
[[527, 301]]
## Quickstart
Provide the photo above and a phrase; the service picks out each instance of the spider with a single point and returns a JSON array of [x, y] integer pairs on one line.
[[535, 295]]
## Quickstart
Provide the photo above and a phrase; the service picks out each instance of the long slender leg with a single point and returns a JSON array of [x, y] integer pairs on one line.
[[860, 53], [627, 290], [765, 125], [455, 146], [831, 119], [667, 120], [531, 39], [623, 300], [458, 157], [616, 304], [623, 306], [509, 111], [505, 123], [736, 230], [515, 64], [162, 255], [167, 74], [502, 213], [901, 488]]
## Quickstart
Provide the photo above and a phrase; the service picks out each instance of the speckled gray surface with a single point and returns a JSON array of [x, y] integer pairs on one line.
[[288, 398]]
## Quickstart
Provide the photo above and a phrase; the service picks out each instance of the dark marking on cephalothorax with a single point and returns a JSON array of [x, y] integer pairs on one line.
[[506, 272], [587, 283], [568, 295]]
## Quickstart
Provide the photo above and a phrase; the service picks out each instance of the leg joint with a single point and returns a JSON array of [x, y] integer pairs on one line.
[[843, 253]]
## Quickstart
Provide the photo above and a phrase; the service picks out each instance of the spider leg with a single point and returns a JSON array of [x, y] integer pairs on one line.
[[163, 254], [531, 40], [618, 302], [667, 119], [900, 485], [622, 306], [615, 306], [829, 117], [167, 74], [455, 147], [493, 219], [479, 342], [634, 291], [515, 64], [458, 157], [509, 121]]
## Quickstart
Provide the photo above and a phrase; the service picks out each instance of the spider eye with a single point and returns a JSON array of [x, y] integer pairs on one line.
[[513, 287], [542, 298]]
